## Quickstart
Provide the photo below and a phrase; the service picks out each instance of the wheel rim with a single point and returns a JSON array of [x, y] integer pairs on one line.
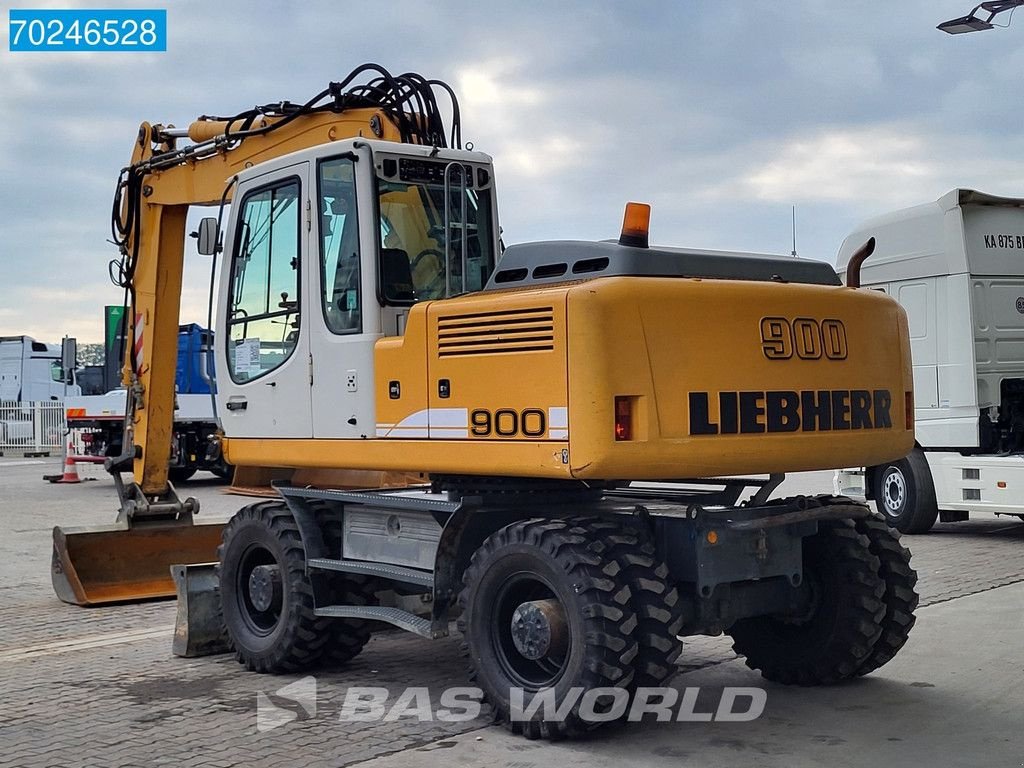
[[529, 634], [894, 492], [259, 588]]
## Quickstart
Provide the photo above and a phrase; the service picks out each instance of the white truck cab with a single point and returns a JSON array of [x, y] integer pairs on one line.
[[956, 265], [31, 371]]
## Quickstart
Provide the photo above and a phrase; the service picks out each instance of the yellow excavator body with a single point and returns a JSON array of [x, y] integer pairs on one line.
[[582, 382], [582, 362]]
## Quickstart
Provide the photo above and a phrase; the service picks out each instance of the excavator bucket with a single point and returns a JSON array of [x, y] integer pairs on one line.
[[121, 564]]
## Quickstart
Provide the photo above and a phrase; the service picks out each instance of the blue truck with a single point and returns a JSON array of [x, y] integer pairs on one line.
[[196, 446]]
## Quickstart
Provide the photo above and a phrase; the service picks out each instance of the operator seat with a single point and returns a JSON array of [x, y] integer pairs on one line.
[[396, 275]]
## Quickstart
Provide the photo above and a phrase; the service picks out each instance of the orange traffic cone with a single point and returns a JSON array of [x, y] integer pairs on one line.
[[70, 468]]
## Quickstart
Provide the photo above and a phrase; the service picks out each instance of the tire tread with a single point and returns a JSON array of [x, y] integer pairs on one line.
[[604, 604]]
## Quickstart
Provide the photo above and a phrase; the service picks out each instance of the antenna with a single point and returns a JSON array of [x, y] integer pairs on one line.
[[793, 254]]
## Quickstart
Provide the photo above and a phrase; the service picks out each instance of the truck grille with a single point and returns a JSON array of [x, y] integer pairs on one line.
[[491, 333]]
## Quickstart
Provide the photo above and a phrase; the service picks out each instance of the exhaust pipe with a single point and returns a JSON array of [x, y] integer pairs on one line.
[[858, 258]]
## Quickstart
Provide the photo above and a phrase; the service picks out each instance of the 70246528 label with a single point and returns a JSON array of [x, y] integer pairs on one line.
[[58, 30]]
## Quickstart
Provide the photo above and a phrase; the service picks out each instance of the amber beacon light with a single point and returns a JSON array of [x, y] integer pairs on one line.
[[636, 225]]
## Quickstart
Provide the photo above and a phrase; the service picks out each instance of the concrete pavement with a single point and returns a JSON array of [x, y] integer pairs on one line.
[[953, 697], [100, 686]]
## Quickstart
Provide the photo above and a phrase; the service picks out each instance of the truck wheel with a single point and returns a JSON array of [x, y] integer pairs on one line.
[[223, 470], [544, 609], [180, 474], [655, 601], [835, 636], [266, 597], [900, 597], [905, 494]]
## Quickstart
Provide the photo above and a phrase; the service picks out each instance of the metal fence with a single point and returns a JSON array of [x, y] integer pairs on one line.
[[32, 427]]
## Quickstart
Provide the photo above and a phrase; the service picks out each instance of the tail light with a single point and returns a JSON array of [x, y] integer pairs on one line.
[[909, 410], [623, 418]]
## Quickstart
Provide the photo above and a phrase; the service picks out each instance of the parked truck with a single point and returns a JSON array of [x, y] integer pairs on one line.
[[33, 378], [31, 371], [956, 265], [194, 442]]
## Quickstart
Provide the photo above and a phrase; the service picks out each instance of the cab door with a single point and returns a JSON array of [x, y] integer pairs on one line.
[[344, 316], [263, 356]]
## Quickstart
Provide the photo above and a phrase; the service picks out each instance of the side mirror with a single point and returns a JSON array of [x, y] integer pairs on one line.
[[208, 237]]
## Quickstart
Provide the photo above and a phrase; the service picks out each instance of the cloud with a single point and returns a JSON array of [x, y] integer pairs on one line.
[[836, 164], [885, 165], [720, 115]]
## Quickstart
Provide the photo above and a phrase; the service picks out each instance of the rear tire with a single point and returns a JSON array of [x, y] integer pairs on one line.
[[272, 628], [905, 493], [837, 636], [560, 563], [656, 602], [900, 597]]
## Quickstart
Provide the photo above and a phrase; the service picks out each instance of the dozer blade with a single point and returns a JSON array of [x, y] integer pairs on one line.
[[121, 564], [199, 625]]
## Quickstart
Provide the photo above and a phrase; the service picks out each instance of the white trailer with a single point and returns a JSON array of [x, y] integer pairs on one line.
[[956, 266]]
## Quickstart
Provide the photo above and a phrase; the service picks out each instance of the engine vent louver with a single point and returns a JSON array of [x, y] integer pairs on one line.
[[492, 333]]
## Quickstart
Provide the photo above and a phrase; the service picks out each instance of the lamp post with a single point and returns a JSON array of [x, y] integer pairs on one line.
[[973, 23]]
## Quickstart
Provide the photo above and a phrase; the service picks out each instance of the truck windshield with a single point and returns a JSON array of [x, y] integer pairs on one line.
[[423, 253]]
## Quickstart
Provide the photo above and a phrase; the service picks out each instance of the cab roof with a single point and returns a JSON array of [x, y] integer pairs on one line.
[[557, 261]]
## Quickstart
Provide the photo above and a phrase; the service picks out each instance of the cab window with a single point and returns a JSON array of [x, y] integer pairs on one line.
[[263, 305], [428, 237], [339, 247]]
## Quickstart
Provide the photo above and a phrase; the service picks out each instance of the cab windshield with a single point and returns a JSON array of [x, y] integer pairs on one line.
[[428, 250]]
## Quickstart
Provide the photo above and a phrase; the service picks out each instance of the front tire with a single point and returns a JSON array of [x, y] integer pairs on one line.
[[835, 638], [543, 609], [905, 493], [347, 637], [266, 597]]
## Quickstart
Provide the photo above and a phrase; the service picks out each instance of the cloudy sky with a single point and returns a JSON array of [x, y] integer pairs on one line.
[[721, 114]]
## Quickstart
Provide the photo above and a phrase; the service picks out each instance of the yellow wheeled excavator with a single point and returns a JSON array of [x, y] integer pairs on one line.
[[367, 318]]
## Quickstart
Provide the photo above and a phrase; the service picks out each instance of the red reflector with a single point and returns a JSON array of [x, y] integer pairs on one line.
[[909, 409], [623, 418]]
